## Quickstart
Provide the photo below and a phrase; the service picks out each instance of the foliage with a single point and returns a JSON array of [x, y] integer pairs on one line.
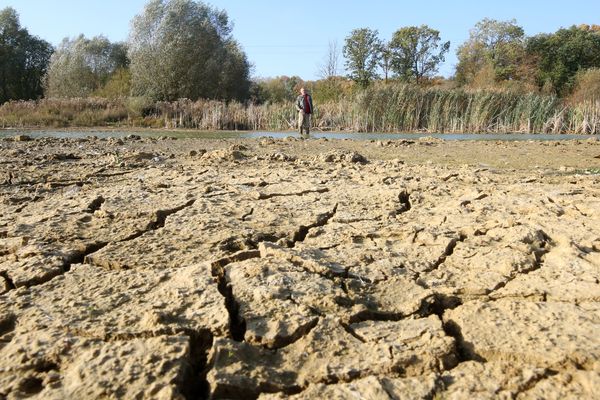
[[362, 51], [277, 90], [332, 90], [379, 108], [498, 46], [23, 59], [184, 49], [117, 86], [586, 87], [416, 52], [385, 59], [563, 54], [81, 66]]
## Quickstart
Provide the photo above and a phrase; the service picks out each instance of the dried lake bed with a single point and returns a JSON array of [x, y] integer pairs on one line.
[[274, 268]]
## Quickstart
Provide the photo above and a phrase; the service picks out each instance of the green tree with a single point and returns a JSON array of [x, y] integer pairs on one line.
[[278, 89], [417, 52], [492, 45], [23, 59], [184, 49], [385, 59], [81, 66], [561, 55], [118, 86], [362, 52]]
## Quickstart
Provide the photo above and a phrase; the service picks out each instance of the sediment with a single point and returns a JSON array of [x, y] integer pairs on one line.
[[145, 268]]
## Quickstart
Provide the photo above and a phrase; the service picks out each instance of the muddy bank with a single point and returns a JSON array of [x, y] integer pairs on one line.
[[312, 269]]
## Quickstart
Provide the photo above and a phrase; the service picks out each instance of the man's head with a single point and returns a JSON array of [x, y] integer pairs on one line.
[[302, 91]]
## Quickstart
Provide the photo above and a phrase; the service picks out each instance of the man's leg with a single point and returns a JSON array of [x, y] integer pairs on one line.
[[300, 121], [307, 127]]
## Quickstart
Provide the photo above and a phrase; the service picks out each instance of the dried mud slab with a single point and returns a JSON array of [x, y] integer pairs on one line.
[[554, 335], [145, 268]]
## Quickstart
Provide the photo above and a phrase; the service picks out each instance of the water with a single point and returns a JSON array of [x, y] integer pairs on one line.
[[280, 135]]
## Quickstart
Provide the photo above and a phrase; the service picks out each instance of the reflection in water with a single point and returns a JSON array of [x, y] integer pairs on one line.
[[281, 135]]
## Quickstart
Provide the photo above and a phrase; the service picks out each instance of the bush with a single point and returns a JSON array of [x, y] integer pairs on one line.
[[586, 87]]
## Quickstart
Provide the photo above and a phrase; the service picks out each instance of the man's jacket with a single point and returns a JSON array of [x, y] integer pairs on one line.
[[300, 103]]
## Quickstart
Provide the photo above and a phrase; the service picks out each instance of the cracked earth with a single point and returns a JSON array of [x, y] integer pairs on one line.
[[190, 269]]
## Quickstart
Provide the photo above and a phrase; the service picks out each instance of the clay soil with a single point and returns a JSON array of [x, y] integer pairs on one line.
[[305, 269]]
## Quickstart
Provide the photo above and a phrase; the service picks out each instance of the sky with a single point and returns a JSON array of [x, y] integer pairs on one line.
[[292, 38]]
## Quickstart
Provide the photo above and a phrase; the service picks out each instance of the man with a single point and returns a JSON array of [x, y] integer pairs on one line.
[[304, 106]]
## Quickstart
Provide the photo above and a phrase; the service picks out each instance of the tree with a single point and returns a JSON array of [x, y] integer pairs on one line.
[[587, 86], [81, 66], [235, 73], [562, 55], [278, 89], [184, 49], [417, 52], [362, 51], [385, 59], [498, 45], [329, 68], [23, 59]]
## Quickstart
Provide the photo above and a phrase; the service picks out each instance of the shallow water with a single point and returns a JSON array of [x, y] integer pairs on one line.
[[280, 135]]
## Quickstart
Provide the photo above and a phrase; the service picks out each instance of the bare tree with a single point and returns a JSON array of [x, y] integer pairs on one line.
[[330, 66]]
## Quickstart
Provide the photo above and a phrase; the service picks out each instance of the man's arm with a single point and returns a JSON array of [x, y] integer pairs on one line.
[[298, 107]]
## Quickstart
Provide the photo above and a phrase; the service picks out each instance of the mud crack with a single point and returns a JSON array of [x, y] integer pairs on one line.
[[237, 325], [194, 384], [8, 280], [404, 199], [322, 220], [161, 215], [95, 204], [539, 253], [265, 196]]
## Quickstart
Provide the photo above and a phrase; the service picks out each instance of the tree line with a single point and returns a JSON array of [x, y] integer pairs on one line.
[[175, 49], [185, 49], [497, 54]]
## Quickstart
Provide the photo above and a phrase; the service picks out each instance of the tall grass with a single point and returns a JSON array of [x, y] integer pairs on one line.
[[393, 108]]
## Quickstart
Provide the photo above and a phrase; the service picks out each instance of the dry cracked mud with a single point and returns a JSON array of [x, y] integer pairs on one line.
[[303, 269]]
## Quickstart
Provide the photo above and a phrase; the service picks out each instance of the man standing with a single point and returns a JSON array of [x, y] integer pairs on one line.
[[304, 105]]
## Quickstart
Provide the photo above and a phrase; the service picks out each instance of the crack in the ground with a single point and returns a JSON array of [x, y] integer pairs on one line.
[[247, 215], [265, 196], [81, 257], [352, 332], [99, 174], [534, 380], [539, 255], [161, 215], [8, 280], [465, 351], [193, 384], [158, 222], [322, 220], [237, 325], [404, 199], [301, 332], [448, 251], [84, 256], [95, 204]]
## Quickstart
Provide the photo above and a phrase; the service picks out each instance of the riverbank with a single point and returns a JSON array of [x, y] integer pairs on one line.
[[144, 267], [392, 108]]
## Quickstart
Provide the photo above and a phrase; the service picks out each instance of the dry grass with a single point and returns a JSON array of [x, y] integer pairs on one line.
[[393, 108]]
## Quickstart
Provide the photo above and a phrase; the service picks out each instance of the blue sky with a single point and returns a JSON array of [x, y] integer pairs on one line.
[[291, 38]]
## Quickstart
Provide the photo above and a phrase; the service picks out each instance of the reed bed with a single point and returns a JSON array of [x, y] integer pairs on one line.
[[393, 108]]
